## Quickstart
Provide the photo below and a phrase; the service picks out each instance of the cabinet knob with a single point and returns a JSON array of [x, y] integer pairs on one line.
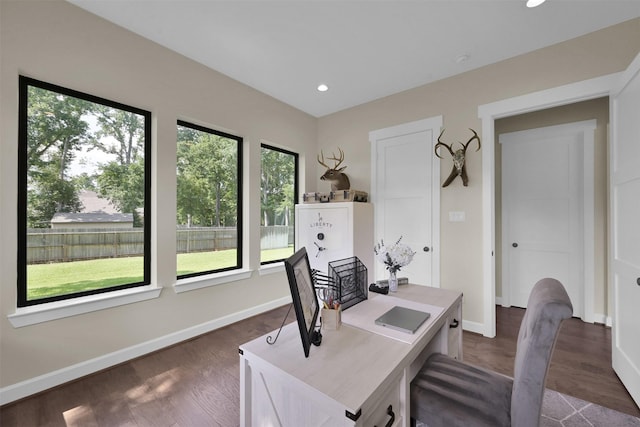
[[515, 245], [426, 249], [638, 281]]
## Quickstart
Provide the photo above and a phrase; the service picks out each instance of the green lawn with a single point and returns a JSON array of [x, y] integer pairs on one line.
[[49, 280]]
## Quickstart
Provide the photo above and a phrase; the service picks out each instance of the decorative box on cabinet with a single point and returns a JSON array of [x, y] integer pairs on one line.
[[333, 231]]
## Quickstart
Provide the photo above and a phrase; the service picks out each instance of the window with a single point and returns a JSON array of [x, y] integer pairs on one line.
[[209, 202], [278, 197], [83, 192]]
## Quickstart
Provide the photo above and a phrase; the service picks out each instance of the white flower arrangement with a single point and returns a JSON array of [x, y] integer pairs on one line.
[[395, 256]]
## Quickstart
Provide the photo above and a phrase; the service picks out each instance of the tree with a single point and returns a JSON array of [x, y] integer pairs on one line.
[[123, 185], [125, 128], [121, 181], [56, 129], [207, 179], [277, 178]]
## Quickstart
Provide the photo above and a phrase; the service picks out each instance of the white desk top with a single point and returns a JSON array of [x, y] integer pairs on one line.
[[351, 363]]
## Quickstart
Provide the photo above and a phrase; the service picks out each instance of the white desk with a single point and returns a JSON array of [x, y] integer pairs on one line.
[[352, 378]]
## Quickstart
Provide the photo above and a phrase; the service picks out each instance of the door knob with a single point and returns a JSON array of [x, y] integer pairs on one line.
[[426, 249], [515, 245]]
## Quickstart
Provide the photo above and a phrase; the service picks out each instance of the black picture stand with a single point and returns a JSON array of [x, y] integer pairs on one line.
[[316, 336]]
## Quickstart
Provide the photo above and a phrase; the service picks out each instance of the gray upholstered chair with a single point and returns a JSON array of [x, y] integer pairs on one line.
[[448, 392]]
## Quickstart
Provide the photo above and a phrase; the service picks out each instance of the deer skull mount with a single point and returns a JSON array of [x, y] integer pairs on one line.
[[339, 180], [459, 167]]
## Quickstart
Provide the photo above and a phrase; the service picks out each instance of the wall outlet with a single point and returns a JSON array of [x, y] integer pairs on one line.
[[457, 216]]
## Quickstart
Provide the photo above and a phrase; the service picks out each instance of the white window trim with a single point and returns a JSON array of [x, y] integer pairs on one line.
[[25, 316], [207, 280], [271, 268]]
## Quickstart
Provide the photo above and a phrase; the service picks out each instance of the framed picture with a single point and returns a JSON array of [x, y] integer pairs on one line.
[[305, 301]]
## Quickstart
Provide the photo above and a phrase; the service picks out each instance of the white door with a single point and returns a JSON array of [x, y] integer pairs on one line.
[[406, 195], [624, 217], [547, 189]]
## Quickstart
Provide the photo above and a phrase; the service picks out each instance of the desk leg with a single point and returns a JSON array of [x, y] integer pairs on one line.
[[405, 398], [460, 333], [245, 392]]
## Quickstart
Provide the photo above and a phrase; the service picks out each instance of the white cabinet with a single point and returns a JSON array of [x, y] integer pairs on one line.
[[333, 231]]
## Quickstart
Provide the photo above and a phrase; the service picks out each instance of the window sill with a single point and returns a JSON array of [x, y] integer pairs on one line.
[[273, 268], [199, 282], [25, 316]]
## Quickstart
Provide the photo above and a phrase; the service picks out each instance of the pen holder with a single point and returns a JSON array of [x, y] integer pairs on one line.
[[331, 318]]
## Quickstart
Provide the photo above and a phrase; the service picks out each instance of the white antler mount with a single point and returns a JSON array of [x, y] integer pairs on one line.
[[459, 166]]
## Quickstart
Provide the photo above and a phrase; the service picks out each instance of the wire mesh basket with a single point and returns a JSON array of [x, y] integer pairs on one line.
[[349, 281]]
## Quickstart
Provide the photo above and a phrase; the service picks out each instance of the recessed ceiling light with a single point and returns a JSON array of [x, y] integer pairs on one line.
[[534, 3], [462, 58], [323, 88]]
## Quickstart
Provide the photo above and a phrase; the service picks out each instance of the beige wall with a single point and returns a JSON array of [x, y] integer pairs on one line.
[[597, 109], [457, 99], [59, 43]]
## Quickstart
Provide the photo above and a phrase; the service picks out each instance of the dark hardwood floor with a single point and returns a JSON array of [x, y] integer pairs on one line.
[[580, 365], [196, 383]]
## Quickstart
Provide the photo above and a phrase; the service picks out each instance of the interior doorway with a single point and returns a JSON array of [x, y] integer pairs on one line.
[[547, 195], [588, 290], [567, 95]]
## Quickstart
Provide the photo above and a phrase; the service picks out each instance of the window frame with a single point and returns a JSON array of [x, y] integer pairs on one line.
[[296, 176], [23, 103], [239, 208]]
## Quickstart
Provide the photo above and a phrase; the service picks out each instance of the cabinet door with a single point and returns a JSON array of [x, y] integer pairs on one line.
[[276, 400], [326, 232]]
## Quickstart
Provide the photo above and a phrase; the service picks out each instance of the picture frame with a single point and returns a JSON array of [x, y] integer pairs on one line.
[[305, 300]]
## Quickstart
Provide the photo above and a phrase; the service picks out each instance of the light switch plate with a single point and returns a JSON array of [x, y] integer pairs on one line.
[[457, 216]]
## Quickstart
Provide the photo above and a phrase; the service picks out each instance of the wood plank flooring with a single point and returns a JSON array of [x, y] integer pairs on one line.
[[196, 383]]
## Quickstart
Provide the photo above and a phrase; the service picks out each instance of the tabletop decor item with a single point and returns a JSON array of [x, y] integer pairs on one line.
[[394, 257]]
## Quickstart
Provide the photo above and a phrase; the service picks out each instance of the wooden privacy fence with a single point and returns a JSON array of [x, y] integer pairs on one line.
[[51, 245]]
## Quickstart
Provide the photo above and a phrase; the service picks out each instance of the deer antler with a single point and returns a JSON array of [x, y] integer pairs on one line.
[[475, 136], [338, 161], [440, 143], [322, 161]]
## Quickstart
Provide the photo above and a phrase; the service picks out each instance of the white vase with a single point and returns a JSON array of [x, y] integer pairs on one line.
[[393, 282]]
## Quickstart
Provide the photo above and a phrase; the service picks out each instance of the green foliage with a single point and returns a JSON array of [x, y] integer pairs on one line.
[[123, 185], [121, 181], [58, 128], [277, 180], [49, 194], [126, 128], [207, 179], [55, 131]]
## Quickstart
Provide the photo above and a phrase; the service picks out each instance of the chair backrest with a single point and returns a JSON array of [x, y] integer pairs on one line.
[[547, 307]]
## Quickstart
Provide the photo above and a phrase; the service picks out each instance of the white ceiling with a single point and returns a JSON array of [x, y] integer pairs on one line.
[[362, 49]]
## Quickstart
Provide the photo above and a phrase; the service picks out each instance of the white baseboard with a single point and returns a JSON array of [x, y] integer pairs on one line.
[[597, 318], [603, 319], [476, 327], [52, 379]]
